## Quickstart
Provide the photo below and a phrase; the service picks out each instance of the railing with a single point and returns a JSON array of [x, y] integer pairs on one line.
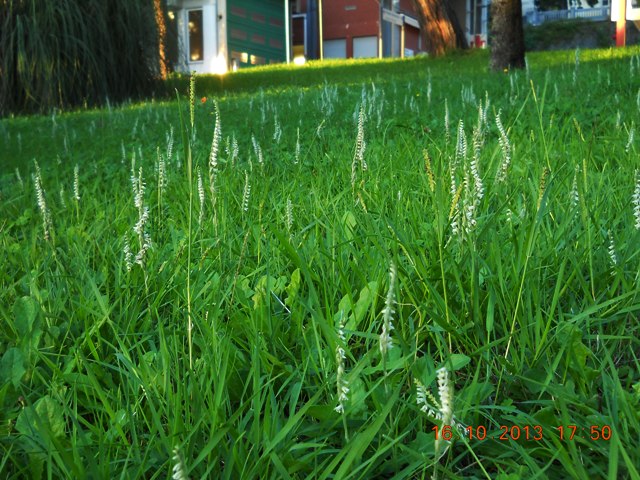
[[537, 18]]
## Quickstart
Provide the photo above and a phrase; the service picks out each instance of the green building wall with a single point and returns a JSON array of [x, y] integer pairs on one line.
[[255, 32]]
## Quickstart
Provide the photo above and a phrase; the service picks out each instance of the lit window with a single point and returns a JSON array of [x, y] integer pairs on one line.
[[196, 40]]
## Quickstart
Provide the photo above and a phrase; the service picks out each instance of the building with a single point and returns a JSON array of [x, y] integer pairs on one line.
[[213, 36], [352, 28]]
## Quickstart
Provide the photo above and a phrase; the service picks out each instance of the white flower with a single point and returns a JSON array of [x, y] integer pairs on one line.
[[387, 313], [636, 201]]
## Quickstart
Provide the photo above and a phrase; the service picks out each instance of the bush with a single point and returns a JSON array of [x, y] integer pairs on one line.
[[75, 52]]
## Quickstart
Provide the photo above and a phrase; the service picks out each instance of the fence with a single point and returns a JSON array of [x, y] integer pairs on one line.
[[537, 18]]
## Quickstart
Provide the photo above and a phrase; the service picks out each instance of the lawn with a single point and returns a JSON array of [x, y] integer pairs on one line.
[[382, 269]]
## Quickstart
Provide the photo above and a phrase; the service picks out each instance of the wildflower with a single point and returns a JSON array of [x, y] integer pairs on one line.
[[461, 144], [76, 183], [341, 381], [636, 201], [428, 168], [200, 196], [630, 139], [297, 153], [361, 145], [289, 215], [387, 313], [179, 469], [128, 256], [169, 140], [574, 196], [506, 150], [42, 203], [61, 193], [162, 172], [246, 192], [19, 177], [613, 256], [447, 135]]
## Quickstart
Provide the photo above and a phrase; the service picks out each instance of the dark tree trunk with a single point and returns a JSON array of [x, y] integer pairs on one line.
[[507, 35], [441, 30]]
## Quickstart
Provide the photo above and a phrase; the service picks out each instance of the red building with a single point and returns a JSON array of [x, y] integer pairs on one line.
[[353, 29]]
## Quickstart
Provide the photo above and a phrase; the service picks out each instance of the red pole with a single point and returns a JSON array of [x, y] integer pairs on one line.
[[621, 24]]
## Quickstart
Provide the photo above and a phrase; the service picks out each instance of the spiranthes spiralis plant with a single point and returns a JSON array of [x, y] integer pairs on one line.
[[447, 133], [342, 385], [289, 217], [505, 146], [161, 169], [128, 255], [192, 104], [440, 411], [63, 203], [429, 169], [188, 134], [542, 186], [277, 130], [613, 255], [76, 185], [246, 193], [636, 201], [574, 195], [360, 147], [478, 186], [213, 166], [179, 471], [461, 144], [19, 178], [42, 202], [234, 149], [201, 197], [385, 341], [258, 151], [169, 142], [632, 132], [296, 158]]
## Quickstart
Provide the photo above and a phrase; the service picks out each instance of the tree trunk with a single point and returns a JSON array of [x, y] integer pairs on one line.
[[441, 30], [507, 35]]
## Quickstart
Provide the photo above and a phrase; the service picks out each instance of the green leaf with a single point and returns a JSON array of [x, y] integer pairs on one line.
[[348, 224], [25, 311], [367, 294], [44, 419], [456, 361], [12, 366], [293, 288]]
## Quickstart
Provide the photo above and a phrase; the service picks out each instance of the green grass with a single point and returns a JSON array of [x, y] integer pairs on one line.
[[515, 292]]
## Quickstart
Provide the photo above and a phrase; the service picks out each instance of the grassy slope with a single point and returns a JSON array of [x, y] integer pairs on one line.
[[540, 326]]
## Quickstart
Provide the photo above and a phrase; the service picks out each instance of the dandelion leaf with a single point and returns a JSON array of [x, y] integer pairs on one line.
[[293, 288], [12, 366]]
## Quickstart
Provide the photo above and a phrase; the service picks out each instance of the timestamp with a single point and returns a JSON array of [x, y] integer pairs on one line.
[[533, 433]]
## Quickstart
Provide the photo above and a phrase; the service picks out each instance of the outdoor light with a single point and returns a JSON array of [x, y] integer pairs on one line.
[[171, 15], [220, 65], [299, 60]]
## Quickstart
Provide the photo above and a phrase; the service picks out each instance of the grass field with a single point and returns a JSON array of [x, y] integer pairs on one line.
[[400, 269]]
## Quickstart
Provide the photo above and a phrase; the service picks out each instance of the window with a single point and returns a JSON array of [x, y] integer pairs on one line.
[[335, 48], [196, 37], [365, 47], [238, 11], [255, 38], [238, 34]]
